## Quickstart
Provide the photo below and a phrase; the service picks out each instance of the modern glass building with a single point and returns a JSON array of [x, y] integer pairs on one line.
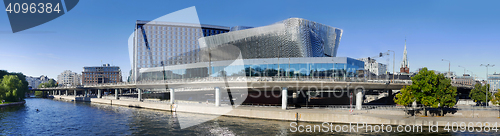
[[169, 43], [294, 48]]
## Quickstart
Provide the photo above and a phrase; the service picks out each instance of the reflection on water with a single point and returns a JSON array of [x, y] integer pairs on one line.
[[77, 118]]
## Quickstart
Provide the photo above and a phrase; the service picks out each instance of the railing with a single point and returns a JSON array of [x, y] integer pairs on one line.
[[242, 79]]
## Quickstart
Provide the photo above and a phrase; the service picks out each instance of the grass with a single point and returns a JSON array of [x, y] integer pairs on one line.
[[6, 102]]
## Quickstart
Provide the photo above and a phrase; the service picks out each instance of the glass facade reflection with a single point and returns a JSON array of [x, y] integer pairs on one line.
[[322, 67]]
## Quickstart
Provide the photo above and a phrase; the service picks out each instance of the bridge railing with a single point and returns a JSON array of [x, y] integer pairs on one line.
[[239, 78]]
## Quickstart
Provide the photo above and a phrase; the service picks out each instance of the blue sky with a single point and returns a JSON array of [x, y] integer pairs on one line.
[[464, 32]]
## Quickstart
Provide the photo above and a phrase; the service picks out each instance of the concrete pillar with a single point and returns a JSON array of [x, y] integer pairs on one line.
[[99, 93], [217, 96], [116, 94], [121, 91], [139, 94], [86, 93], [66, 93], [359, 99], [58, 92], [284, 98], [172, 96], [74, 91]]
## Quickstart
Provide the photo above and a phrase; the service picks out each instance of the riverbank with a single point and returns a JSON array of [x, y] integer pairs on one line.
[[386, 117], [12, 104]]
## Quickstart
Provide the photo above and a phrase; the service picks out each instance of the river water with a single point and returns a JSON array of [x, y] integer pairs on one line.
[[83, 118]]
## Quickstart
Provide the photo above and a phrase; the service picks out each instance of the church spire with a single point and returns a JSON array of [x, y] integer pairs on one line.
[[404, 63]]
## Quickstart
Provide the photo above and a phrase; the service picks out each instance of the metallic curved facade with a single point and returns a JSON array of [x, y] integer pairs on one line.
[[294, 37]]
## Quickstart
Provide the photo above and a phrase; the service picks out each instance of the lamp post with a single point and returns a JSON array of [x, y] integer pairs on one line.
[[265, 71], [279, 48], [487, 81], [163, 66], [462, 67], [449, 65], [393, 62]]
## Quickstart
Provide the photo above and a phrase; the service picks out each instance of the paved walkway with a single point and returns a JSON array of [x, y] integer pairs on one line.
[[393, 117]]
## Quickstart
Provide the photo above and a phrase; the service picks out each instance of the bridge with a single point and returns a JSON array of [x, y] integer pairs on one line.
[[289, 87]]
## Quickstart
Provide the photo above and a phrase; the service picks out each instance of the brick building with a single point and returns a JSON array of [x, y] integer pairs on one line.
[[101, 74]]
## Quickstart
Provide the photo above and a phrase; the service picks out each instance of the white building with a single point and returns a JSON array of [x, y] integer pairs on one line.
[[33, 82], [494, 81], [68, 78], [374, 67]]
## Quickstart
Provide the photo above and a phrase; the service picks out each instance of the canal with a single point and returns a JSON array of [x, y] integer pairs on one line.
[[83, 118]]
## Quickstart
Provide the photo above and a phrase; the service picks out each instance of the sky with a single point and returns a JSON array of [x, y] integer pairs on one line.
[[464, 32]]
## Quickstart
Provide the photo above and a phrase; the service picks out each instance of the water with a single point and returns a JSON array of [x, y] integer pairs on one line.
[[80, 118]]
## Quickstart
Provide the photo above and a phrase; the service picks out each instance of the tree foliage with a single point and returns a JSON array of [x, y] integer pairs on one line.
[[496, 98], [12, 88], [50, 83], [478, 93], [429, 89]]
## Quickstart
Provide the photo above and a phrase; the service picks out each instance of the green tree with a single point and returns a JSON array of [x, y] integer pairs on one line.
[[13, 88], [496, 98], [50, 83], [405, 98], [478, 93], [430, 90]]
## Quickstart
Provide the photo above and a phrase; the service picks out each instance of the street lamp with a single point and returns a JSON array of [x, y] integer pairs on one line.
[[393, 62], [267, 67], [449, 65], [163, 65], [487, 81], [462, 67]]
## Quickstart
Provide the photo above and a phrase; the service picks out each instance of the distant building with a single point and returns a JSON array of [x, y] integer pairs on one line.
[[33, 82], [374, 67], [68, 78], [405, 65], [102, 74], [464, 80], [494, 81]]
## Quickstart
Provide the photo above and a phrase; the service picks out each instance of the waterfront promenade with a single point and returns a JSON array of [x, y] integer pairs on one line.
[[386, 117]]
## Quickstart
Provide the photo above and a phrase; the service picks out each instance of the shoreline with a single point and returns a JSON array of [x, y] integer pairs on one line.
[[13, 104], [293, 115]]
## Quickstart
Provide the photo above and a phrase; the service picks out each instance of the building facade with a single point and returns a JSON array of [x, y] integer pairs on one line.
[[69, 78], [374, 67], [33, 82], [294, 48], [464, 80], [169, 43], [494, 81], [101, 74]]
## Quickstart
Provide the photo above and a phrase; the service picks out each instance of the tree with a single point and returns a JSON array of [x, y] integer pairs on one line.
[[405, 97], [478, 93], [496, 98], [12, 88], [430, 90], [50, 83]]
